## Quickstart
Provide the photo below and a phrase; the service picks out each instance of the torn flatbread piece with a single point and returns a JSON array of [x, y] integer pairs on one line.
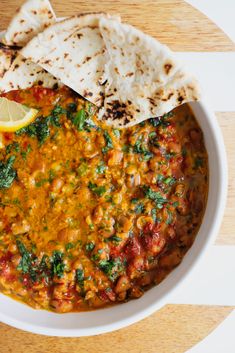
[[23, 73], [7, 56], [143, 79], [73, 51], [32, 17]]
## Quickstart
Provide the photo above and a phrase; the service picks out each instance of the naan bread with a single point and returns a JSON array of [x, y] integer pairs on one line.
[[33, 17], [22, 73], [143, 79], [73, 51]]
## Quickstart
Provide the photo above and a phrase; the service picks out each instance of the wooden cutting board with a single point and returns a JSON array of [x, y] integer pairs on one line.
[[175, 328]]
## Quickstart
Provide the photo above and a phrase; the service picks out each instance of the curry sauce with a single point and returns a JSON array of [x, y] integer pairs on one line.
[[92, 215]]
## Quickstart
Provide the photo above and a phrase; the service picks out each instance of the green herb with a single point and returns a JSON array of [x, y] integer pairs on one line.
[[169, 181], [25, 153], [40, 128], [184, 152], [169, 217], [134, 200], [161, 121], [154, 214], [57, 264], [12, 147], [90, 247], [79, 119], [69, 246], [7, 173], [141, 149], [72, 107], [139, 208], [80, 278], [82, 169], [26, 258], [114, 238], [41, 182], [100, 169], [198, 162], [169, 155], [109, 142], [112, 268], [154, 196], [126, 148], [117, 133], [98, 190]]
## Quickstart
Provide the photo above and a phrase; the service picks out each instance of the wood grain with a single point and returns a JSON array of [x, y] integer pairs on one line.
[[159, 18], [175, 328]]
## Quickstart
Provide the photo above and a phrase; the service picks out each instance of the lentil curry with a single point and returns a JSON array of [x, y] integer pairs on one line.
[[92, 215]]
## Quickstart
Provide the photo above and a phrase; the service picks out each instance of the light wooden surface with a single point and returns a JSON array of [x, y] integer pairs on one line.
[[175, 328]]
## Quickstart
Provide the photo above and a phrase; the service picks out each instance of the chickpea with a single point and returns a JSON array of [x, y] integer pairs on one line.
[[16, 260], [174, 147], [39, 166], [101, 250], [98, 214], [180, 190], [142, 220], [107, 227], [114, 157], [67, 235], [20, 227], [57, 185], [125, 223], [171, 260], [117, 198], [123, 284], [10, 211], [62, 306]]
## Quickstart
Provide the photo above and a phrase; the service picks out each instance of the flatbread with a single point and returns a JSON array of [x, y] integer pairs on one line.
[[7, 56], [32, 17], [143, 79], [23, 73], [73, 51]]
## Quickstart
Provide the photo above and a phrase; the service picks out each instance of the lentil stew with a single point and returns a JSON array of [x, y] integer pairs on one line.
[[92, 215]]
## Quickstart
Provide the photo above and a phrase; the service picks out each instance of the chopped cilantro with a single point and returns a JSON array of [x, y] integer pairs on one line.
[[69, 246], [90, 246], [140, 148], [112, 268], [25, 153], [198, 162], [154, 196], [109, 142], [139, 208], [7, 173], [12, 147], [57, 264], [117, 133], [98, 190], [100, 169], [80, 278]]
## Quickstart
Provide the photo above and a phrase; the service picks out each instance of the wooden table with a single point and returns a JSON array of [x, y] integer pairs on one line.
[[175, 328]]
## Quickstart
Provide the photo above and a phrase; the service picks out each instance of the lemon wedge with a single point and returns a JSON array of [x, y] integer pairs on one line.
[[14, 116]]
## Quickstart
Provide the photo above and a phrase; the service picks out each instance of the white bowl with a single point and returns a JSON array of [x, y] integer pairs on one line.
[[105, 320]]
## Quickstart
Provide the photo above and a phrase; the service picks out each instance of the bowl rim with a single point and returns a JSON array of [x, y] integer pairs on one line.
[[222, 176]]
